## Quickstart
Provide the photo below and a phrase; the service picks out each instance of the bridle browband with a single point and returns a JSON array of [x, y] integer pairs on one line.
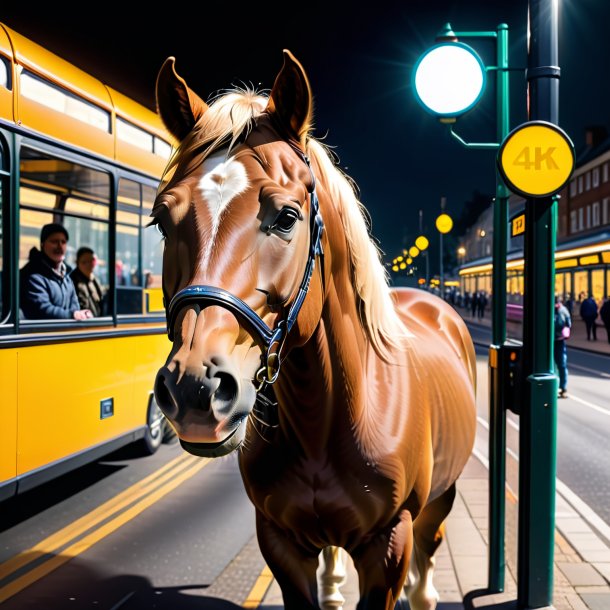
[[270, 340]]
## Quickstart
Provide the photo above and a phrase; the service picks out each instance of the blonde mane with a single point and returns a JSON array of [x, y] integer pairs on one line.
[[231, 116], [369, 276]]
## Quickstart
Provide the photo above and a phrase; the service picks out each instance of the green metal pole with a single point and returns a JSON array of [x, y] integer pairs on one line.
[[497, 412], [538, 424]]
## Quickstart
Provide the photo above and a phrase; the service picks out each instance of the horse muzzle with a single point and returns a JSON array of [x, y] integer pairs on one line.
[[207, 411]]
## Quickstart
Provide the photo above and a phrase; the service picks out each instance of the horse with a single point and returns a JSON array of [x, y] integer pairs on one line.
[[351, 403]]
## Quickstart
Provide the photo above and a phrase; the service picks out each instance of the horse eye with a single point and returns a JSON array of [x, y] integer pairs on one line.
[[285, 220], [161, 230]]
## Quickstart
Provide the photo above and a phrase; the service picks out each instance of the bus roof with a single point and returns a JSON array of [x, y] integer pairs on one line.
[[88, 116]]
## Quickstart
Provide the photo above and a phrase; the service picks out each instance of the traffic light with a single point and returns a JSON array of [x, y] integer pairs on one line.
[[512, 375]]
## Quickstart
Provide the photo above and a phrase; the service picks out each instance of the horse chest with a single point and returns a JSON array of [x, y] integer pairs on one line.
[[332, 504]]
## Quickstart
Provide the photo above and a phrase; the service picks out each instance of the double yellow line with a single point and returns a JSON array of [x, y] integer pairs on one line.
[[76, 538]]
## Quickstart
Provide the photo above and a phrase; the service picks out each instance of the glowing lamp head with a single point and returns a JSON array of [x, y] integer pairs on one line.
[[422, 242], [449, 79], [444, 223]]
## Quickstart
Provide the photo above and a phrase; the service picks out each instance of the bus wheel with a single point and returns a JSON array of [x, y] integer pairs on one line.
[[155, 428]]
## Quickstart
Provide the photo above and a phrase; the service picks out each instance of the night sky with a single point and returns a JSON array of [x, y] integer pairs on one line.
[[359, 62]]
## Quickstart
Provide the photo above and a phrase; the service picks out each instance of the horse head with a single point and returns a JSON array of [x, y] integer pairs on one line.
[[238, 211]]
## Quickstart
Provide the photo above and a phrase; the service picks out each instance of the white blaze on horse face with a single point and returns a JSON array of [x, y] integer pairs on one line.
[[222, 181]]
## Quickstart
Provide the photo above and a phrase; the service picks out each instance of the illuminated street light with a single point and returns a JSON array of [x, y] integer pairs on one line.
[[497, 419], [413, 251], [449, 79], [444, 224]]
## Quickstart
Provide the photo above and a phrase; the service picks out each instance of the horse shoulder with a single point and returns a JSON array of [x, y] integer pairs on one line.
[[427, 316]]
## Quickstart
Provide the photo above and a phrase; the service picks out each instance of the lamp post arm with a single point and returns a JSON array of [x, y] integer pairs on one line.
[[473, 145], [483, 34]]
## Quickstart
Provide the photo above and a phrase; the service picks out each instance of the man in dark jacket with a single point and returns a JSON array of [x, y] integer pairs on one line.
[[88, 289], [588, 312], [604, 314], [46, 290]]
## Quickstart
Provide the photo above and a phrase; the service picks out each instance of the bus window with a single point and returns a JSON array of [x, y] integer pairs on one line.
[[78, 197], [152, 255], [2, 275], [128, 268], [4, 73]]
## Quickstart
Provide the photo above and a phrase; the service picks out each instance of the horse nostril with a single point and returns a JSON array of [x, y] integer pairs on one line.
[[225, 394], [163, 396]]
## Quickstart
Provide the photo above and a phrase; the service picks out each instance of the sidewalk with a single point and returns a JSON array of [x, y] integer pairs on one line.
[[578, 336]]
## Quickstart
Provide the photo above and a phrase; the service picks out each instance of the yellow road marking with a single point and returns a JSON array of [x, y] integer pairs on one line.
[[89, 540], [262, 584], [118, 502]]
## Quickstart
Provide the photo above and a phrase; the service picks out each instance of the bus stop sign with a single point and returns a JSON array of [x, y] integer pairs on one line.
[[536, 159]]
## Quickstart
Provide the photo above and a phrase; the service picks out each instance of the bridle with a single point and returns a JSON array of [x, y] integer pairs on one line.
[[270, 340]]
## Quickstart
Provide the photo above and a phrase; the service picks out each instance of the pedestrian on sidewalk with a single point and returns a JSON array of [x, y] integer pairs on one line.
[[482, 304], [588, 312], [474, 304], [563, 324], [604, 314]]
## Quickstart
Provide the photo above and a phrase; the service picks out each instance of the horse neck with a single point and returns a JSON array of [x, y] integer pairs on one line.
[[323, 389]]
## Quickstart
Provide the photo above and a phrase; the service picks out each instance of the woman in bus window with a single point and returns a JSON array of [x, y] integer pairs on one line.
[[46, 290], [88, 289]]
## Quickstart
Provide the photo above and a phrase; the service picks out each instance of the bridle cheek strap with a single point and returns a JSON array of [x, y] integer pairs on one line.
[[270, 340]]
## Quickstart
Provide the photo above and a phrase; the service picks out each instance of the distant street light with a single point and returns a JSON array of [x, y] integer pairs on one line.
[[422, 242], [444, 224], [413, 251]]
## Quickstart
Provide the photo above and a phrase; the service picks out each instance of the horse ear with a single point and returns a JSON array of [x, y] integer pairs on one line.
[[179, 107], [290, 101]]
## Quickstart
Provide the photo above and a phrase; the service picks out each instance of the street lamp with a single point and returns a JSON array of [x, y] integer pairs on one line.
[[444, 224], [497, 416], [422, 243]]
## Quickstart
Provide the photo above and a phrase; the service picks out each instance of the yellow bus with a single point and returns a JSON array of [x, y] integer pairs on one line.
[[76, 152]]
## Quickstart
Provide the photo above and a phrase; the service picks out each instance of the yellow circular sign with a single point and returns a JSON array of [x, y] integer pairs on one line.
[[444, 223], [536, 159]]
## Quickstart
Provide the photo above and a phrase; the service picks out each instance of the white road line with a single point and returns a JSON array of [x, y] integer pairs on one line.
[[581, 507], [587, 370], [589, 404]]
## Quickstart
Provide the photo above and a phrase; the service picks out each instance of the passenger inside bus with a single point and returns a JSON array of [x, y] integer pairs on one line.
[[46, 290], [88, 289]]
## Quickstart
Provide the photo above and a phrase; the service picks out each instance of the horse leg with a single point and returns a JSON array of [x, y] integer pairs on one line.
[[428, 533], [332, 576], [382, 564], [292, 567]]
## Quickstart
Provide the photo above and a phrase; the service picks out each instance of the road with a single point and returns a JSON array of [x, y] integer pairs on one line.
[[125, 533], [174, 531], [583, 428]]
